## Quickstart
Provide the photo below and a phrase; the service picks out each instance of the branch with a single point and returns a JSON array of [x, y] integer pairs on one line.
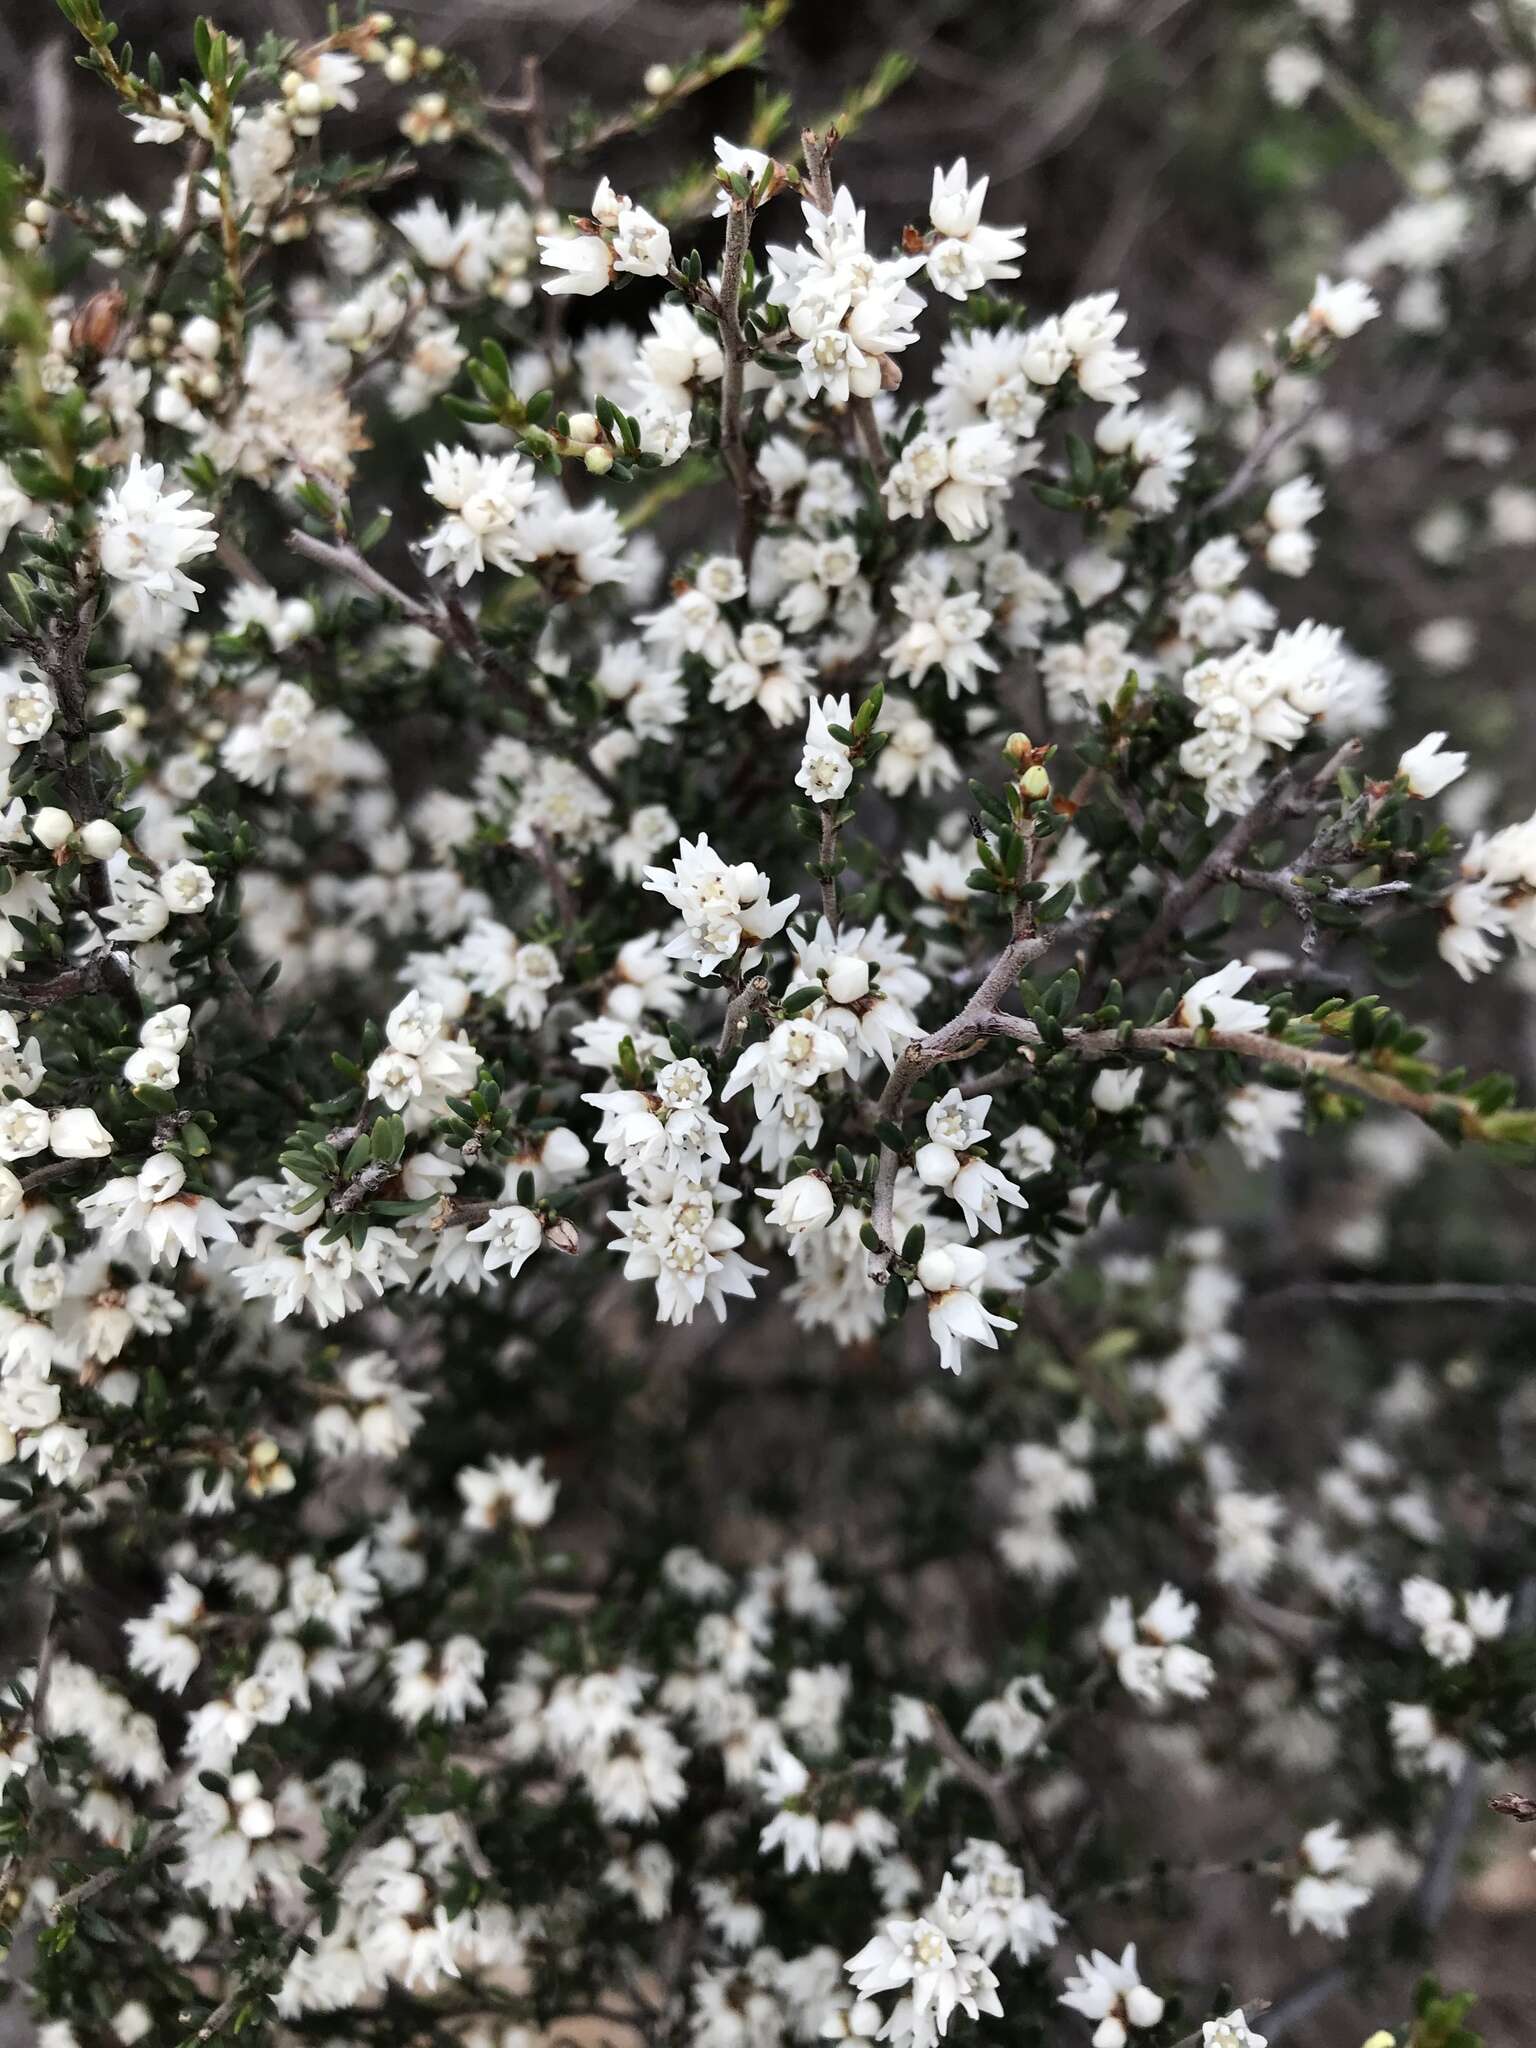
[[158, 1839], [1292, 791], [347, 562], [946, 1043], [1269, 443], [992, 1786], [361, 1841], [750, 491], [753, 995], [1405, 1293], [1335, 1068], [825, 866], [453, 629]]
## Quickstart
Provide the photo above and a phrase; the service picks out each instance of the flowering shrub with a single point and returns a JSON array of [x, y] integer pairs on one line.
[[450, 946]]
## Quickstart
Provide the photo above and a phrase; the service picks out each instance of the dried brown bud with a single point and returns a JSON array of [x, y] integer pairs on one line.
[[96, 325], [562, 1235], [1515, 1805]]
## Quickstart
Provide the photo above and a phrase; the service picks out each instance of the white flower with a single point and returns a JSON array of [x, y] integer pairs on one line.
[[148, 533], [1429, 768], [1231, 2031], [1217, 995], [1112, 1993], [153, 1205], [485, 497], [801, 1205], [511, 1236], [1324, 1897], [1116, 1088], [952, 1277], [1151, 1651], [826, 771], [725, 910], [1340, 310], [641, 245], [78, 1134], [583, 263], [933, 1959], [507, 1490], [187, 887]]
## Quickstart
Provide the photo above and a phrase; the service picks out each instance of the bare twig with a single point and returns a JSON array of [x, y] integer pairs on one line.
[[750, 491], [965, 1028], [78, 1895], [1406, 1293], [1269, 443], [826, 863], [453, 627], [753, 995], [1292, 791]]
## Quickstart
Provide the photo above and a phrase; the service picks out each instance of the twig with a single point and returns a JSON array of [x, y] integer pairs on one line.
[[361, 1841], [750, 491], [925, 1053], [753, 995], [992, 1786], [1269, 443], [1288, 791], [1406, 1293], [826, 864], [454, 629], [1336, 1068], [51, 93], [89, 1888]]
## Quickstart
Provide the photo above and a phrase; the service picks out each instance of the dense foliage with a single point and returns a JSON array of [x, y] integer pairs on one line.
[[608, 1427]]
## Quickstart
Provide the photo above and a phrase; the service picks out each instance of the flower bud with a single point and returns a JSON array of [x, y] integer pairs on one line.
[[52, 827], [803, 1204], [561, 1235], [848, 979], [99, 839], [1143, 2006], [1017, 748], [584, 426], [599, 460], [659, 80], [95, 326], [1035, 783], [201, 337], [936, 1165], [936, 1271], [78, 1134], [257, 1820]]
